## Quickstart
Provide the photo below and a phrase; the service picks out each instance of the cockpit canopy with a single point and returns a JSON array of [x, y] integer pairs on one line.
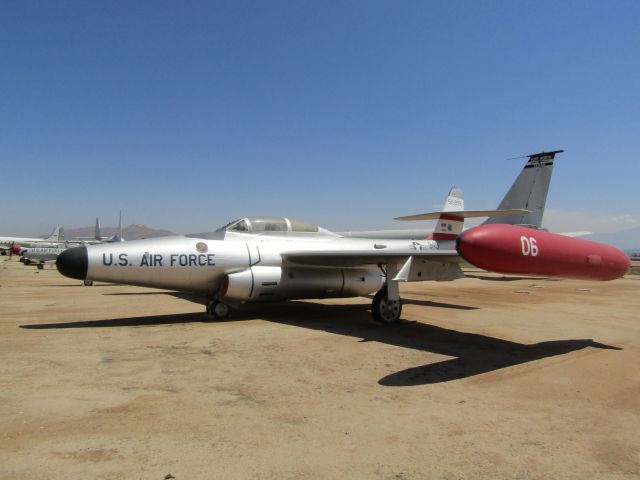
[[270, 224]]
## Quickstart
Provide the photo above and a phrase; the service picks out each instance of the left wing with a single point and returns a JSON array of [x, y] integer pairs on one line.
[[356, 258], [414, 265]]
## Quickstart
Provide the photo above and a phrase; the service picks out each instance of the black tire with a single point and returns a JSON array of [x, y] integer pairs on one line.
[[218, 310], [87, 283], [383, 311]]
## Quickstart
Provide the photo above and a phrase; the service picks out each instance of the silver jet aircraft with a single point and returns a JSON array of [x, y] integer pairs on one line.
[[259, 259], [274, 258]]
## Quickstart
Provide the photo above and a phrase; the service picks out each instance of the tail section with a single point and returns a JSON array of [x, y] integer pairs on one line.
[[118, 236], [451, 217], [97, 235], [528, 192], [450, 225], [57, 235]]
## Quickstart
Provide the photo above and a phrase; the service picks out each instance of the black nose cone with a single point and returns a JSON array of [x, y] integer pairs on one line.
[[73, 263]]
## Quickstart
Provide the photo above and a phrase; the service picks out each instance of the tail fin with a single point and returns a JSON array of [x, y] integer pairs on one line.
[[97, 236], [57, 234], [118, 236], [451, 217], [529, 191], [450, 225]]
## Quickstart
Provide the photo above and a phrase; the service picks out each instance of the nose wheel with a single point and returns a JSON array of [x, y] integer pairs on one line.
[[385, 310], [218, 310]]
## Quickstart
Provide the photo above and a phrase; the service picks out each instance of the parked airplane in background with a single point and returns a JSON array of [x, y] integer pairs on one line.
[[47, 252], [40, 255], [258, 259], [6, 243], [97, 235]]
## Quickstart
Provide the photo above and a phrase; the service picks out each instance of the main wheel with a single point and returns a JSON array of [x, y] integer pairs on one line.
[[87, 282], [218, 309], [383, 310]]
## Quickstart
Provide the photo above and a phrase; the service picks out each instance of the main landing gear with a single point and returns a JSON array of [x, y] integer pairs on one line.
[[387, 304], [218, 310], [385, 310]]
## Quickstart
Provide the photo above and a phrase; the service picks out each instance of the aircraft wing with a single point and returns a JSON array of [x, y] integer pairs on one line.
[[575, 234], [464, 214], [356, 258]]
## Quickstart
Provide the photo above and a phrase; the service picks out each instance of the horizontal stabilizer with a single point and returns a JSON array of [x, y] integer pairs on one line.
[[464, 214]]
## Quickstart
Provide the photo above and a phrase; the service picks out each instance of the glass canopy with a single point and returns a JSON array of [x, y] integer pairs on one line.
[[269, 224]]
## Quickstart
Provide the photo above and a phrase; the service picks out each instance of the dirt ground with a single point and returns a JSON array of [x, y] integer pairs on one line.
[[486, 377]]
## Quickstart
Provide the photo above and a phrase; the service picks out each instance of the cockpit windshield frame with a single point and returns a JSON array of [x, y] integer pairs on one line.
[[265, 224]]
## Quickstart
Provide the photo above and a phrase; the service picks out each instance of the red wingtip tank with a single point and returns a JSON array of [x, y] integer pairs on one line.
[[526, 251], [15, 249]]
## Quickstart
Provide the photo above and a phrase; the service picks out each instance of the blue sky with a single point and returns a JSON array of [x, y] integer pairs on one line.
[[188, 114]]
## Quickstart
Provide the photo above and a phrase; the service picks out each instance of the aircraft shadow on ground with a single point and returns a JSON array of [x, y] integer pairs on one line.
[[121, 322], [474, 354], [509, 279], [191, 297]]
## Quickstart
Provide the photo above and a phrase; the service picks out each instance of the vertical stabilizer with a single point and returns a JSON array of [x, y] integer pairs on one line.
[[97, 235], [450, 225], [118, 236], [56, 235], [529, 191]]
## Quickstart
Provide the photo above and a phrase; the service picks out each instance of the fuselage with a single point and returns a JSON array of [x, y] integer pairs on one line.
[[201, 262], [41, 254], [7, 242]]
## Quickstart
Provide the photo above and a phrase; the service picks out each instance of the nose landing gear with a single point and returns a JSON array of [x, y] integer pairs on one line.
[[218, 310]]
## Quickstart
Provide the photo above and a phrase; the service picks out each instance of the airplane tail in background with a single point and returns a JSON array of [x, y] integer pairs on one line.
[[528, 192], [118, 236], [97, 235], [57, 235]]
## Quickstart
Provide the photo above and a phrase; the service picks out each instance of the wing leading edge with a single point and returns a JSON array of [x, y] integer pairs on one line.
[[357, 258]]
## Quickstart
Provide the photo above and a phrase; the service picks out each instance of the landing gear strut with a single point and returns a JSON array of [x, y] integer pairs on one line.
[[387, 304], [218, 310]]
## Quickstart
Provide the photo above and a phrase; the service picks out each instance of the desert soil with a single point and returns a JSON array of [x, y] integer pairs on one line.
[[486, 377]]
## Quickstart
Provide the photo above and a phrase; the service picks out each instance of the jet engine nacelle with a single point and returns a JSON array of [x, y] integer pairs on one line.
[[262, 283]]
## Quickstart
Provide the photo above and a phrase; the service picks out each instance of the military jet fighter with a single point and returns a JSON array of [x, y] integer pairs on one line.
[[261, 259]]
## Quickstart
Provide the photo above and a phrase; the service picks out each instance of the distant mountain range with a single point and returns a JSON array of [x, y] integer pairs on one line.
[[132, 232], [628, 240]]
